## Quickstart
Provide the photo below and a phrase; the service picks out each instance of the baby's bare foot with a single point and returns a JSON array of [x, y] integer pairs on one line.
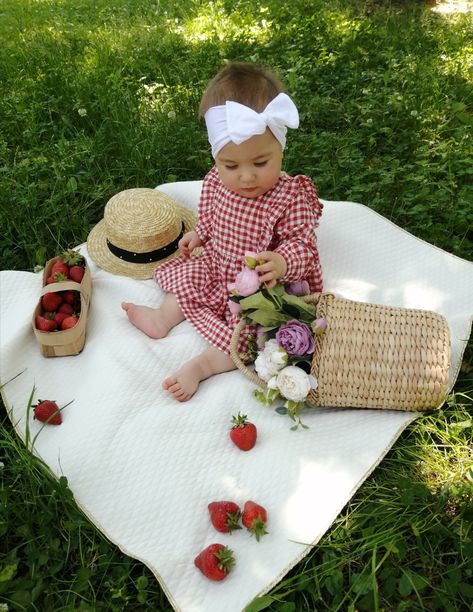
[[185, 382], [149, 320]]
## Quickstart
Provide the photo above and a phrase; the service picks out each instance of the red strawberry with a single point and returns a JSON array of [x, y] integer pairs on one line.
[[243, 433], [215, 561], [224, 516], [66, 308], [47, 410], [59, 267], [57, 277], [44, 324], [68, 296], [72, 258], [254, 518], [51, 301], [76, 273], [71, 321], [59, 317]]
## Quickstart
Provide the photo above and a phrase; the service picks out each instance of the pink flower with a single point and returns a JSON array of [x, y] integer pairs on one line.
[[300, 287], [319, 326], [247, 282], [234, 307]]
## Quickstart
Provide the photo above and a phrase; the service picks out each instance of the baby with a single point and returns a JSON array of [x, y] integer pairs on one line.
[[247, 204]]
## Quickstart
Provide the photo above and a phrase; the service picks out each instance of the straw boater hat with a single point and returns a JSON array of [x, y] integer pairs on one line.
[[140, 230]]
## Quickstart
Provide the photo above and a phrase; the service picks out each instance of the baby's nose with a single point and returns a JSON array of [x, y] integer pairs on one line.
[[247, 174]]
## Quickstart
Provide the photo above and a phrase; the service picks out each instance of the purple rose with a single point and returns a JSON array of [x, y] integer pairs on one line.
[[295, 338], [300, 287]]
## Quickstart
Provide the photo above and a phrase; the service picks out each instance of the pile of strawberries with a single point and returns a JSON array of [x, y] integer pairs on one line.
[[216, 560], [61, 309]]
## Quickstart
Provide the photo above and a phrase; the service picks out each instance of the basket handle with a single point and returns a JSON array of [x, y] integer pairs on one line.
[[236, 357]]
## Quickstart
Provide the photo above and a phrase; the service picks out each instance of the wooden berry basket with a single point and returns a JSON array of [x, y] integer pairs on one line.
[[373, 356], [68, 341]]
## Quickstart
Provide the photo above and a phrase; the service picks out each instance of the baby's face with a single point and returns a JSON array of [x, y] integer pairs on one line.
[[252, 167]]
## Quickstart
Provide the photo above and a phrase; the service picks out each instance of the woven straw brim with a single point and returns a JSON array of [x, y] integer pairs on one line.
[[154, 232]]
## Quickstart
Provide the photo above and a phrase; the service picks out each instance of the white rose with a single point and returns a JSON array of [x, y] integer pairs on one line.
[[265, 367], [293, 383], [270, 360]]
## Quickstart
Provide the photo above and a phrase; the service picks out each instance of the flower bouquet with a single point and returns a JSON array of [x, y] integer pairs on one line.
[[285, 339], [323, 350]]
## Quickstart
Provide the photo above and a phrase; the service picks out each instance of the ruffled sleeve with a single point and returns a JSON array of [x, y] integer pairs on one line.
[[296, 231], [204, 223]]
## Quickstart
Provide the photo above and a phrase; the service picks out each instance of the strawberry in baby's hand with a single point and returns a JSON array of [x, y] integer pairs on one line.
[[254, 518], [224, 516], [243, 433], [47, 411], [215, 561]]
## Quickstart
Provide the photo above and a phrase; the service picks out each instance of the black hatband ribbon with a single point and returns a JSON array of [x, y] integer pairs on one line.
[[149, 256]]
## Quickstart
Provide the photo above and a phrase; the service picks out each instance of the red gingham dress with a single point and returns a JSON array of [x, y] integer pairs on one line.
[[283, 219]]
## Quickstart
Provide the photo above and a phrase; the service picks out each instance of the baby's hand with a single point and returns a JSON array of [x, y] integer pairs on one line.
[[189, 242], [273, 268]]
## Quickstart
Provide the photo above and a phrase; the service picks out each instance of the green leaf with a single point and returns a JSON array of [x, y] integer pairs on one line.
[[405, 586], [261, 603], [7, 572]]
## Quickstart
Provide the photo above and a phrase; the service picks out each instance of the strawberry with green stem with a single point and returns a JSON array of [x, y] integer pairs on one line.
[[243, 433], [224, 516], [215, 561], [47, 411], [254, 518]]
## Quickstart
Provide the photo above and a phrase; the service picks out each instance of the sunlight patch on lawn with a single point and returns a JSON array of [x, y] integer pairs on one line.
[[448, 7], [213, 22]]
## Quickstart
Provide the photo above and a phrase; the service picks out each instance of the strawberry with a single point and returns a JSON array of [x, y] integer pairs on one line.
[[59, 317], [57, 277], [215, 561], [69, 322], [72, 258], [59, 267], [47, 410], [254, 518], [68, 296], [66, 308], [243, 433], [76, 273], [224, 516], [44, 324], [51, 301]]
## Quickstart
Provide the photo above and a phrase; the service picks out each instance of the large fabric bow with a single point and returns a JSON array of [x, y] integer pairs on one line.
[[235, 122]]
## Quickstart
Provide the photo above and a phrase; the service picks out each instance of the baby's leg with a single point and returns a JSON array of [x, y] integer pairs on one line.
[[184, 383], [155, 322]]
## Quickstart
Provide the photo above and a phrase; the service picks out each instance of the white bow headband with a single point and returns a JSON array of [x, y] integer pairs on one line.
[[235, 122]]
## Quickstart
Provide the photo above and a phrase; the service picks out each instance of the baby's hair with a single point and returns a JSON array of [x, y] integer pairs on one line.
[[241, 82]]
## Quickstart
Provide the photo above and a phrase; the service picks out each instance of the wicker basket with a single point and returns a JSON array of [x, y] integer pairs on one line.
[[68, 341], [373, 356]]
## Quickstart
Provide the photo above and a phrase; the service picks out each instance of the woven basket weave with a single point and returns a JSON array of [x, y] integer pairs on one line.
[[373, 356]]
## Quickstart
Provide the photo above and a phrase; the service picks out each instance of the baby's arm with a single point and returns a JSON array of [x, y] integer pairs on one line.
[[295, 234], [189, 242]]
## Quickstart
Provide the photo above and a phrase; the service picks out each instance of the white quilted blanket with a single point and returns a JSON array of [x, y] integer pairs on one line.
[[143, 467]]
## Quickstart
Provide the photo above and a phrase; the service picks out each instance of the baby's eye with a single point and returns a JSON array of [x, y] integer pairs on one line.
[[261, 164], [231, 166]]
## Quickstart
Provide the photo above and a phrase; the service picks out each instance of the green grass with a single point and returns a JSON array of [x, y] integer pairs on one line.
[[99, 96]]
